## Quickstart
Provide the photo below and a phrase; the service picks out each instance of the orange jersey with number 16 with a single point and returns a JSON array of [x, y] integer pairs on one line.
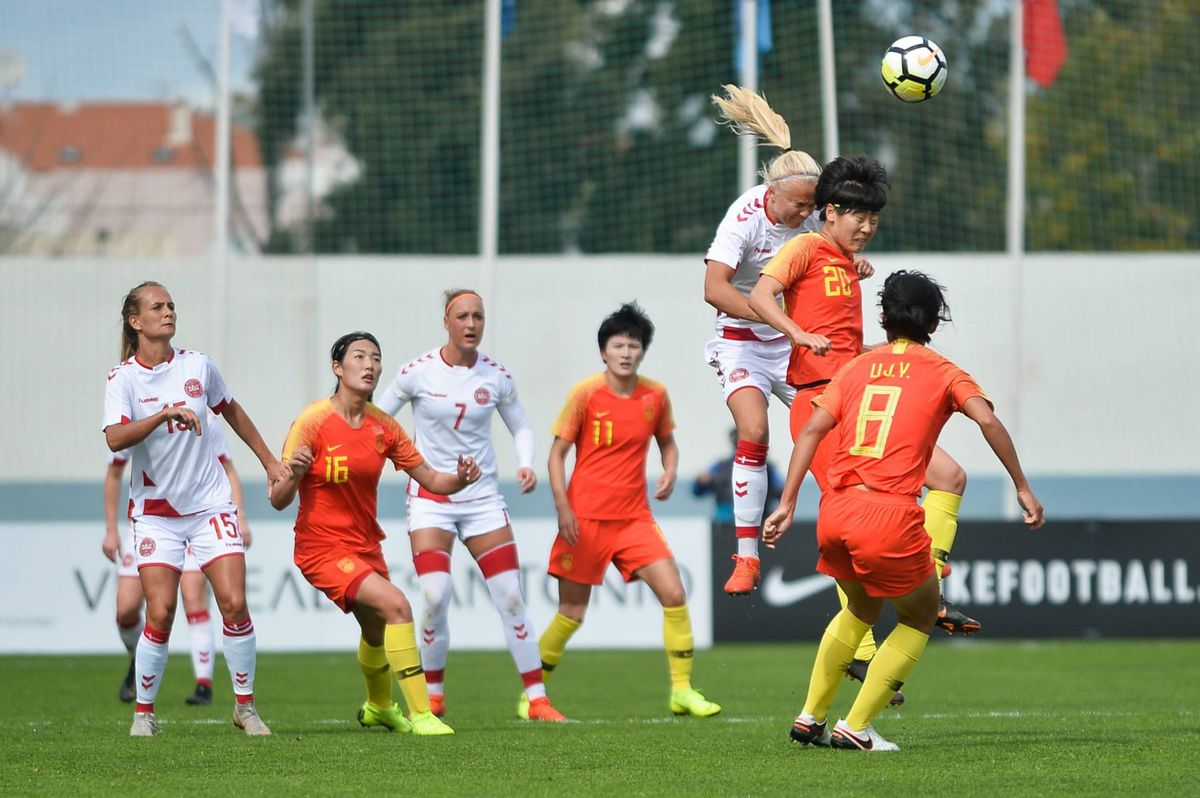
[[339, 494], [890, 405], [612, 436]]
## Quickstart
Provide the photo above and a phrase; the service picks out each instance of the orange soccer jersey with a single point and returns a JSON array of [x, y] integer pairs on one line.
[[890, 405], [338, 495], [612, 436], [821, 294]]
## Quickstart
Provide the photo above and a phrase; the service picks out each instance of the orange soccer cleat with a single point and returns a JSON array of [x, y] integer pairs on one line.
[[540, 709], [746, 576]]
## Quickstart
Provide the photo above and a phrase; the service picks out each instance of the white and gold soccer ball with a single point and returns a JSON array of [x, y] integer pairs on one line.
[[914, 69]]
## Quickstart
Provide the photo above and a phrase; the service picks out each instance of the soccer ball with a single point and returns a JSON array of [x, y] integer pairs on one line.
[[914, 69]]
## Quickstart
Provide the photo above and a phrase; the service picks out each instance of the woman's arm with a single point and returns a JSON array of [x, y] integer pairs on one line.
[[721, 294], [568, 525], [112, 497], [669, 450], [239, 421], [818, 426], [122, 436], [994, 432], [762, 302], [443, 483], [514, 418]]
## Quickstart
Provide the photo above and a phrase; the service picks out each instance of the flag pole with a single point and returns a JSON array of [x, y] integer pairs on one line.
[[829, 119], [1015, 235], [748, 78]]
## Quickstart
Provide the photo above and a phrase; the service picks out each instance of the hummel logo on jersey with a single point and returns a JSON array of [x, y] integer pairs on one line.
[[148, 400], [778, 593], [334, 448]]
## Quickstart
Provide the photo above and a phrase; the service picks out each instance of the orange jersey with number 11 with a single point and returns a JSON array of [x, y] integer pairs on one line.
[[612, 436], [890, 405], [339, 494]]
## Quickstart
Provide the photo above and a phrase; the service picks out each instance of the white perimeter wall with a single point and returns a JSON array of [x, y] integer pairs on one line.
[[1095, 374]]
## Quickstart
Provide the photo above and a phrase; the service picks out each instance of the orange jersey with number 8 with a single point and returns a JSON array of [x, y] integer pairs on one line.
[[890, 405], [612, 436], [339, 493]]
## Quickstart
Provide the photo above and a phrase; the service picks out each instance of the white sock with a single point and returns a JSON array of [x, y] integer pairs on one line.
[[241, 655], [203, 646], [150, 663], [433, 571], [749, 494], [501, 570], [130, 635]]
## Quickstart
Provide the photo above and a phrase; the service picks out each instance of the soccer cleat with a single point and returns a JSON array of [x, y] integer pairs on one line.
[[523, 706], [746, 576], [427, 724], [144, 725], [390, 718], [202, 697], [858, 672], [437, 704], [952, 619], [691, 702], [128, 693], [540, 709], [245, 717], [805, 730], [867, 740]]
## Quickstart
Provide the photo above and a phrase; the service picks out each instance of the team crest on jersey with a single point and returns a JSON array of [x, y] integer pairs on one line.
[[380, 439], [482, 396], [193, 388], [737, 375], [346, 565], [146, 547]]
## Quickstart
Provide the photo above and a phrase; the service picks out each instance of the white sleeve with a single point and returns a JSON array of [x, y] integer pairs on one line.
[[216, 391], [729, 243], [117, 408], [220, 443], [395, 395], [523, 440]]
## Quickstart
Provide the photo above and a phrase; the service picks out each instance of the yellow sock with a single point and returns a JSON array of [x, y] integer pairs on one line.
[[896, 658], [554, 642], [866, 649], [941, 522], [373, 662], [400, 643], [841, 638], [680, 645]]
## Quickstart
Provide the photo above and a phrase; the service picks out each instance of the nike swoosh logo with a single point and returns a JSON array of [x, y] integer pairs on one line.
[[778, 593], [334, 448], [605, 413], [925, 59]]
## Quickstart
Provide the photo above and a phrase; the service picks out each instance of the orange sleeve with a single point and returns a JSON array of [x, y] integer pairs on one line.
[[962, 387], [570, 418], [790, 263], [666, 417], [400, 451], [304, 430], [830, 399]]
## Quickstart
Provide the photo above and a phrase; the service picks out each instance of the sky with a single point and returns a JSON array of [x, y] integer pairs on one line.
[[88, 50]]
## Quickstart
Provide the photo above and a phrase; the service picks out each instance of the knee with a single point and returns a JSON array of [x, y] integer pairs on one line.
[[396, 609], [129, 616], [233, 606], [950, 478], [160, 615], [575, 612], [673, 597], [437, 597], [753, 432], [508, 598]]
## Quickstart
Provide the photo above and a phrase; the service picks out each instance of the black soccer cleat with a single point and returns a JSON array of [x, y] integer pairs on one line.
[[128, 693], [805, 730], [202, 697], [858, 672], [954, 620]]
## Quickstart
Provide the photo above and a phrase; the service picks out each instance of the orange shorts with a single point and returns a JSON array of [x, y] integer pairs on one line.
[[629, 545], [338, 573], [876, 539], [801, 412]]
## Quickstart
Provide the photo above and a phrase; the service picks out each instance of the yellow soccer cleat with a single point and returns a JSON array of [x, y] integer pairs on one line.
[[691, 702], [390, 718], [427, 724], [523, 707]]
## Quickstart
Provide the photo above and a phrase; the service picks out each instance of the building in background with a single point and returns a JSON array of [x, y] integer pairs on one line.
[[128, 179]]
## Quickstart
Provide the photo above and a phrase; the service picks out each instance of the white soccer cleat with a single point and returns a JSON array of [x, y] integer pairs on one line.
[[246, 718], [869, 740], [144, 725]]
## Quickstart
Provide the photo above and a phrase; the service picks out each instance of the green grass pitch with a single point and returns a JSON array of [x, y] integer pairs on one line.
[[982, 718]]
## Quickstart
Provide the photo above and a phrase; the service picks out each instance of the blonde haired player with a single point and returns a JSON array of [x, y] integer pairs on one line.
[[746, 352], [156, 403], [455, 390], [119, 548]]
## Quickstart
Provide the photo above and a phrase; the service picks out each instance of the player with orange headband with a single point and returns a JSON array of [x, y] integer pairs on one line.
[[454, 390]]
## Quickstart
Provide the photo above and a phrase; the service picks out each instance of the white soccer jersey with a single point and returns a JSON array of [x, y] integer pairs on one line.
[[746, 240], [452, 411], [174, 472]]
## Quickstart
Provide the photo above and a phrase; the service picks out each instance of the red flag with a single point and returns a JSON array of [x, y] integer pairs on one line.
[[1045, 43]]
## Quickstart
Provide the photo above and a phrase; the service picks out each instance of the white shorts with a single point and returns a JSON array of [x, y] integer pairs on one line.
[[464, 519], [752, 364], [210, 534], [127, 559]]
